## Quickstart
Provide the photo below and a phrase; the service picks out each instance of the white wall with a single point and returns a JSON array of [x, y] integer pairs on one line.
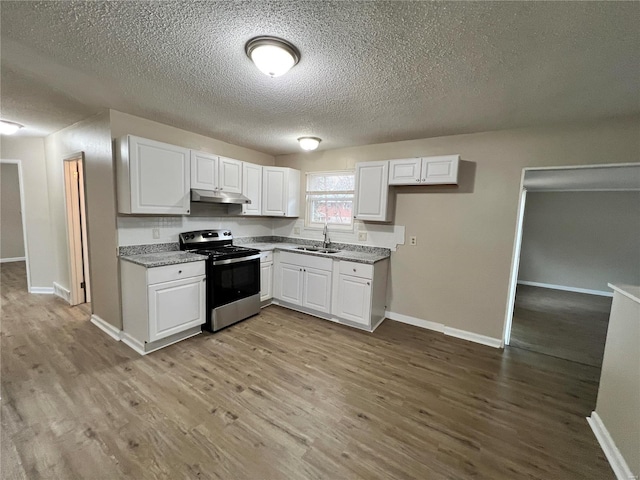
[[12, 239], [581, 239], [31, 152]]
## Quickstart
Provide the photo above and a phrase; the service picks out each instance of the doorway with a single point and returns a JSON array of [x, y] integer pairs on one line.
[[14, 227], [538, 302], [74, 187]]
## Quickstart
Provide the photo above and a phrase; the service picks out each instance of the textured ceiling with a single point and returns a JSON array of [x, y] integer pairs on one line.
[[370, 71]]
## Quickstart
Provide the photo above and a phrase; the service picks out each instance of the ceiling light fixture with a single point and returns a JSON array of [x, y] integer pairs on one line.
[[309, 143], [273, 56], [9, 128]]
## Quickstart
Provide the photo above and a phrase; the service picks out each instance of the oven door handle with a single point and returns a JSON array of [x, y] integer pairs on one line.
[[236, 260]]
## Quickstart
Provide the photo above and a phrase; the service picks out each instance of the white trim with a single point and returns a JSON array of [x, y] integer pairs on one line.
[[12, 259], [62, 292], [23, 212], [473, 337], [616, 460], [579, 167], [416, 322], [515, 265], [107, 328], [626, 290], [373, 329], [601, 293], [132, 343], [41, 290], [441, 328]]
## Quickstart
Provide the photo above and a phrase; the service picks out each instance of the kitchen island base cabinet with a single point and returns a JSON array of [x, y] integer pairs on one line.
[[161, 305]]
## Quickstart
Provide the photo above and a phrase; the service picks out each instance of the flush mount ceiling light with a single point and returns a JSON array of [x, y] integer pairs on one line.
[[9, 128], [309, 143], [273, 56]]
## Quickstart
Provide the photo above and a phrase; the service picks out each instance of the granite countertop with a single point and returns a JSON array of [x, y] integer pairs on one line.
[[344, 254], [161, 259]]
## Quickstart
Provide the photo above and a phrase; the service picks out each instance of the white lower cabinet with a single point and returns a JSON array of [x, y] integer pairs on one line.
[[266, 276], [304, 281], [354, 299], [360, 293], [161, 305]]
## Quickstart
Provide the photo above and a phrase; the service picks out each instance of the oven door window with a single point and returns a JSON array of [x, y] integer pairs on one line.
[[234, 281]]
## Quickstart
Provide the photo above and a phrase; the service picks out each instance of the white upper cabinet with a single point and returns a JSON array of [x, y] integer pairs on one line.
[[373, 202], [252, 188], [230, 175], [280, 191], [405, 171], [204, 170], [424, 171], [211, 172], [153, 177]]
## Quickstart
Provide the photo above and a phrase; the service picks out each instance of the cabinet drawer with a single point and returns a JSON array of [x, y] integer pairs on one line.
[[266, 257], [356, 269], [303, 260], [174, 272]]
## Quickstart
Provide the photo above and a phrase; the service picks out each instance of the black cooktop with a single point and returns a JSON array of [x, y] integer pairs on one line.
[[227, 252]]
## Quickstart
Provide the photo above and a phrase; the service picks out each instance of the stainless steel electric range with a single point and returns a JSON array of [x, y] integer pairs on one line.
[[233, 276]]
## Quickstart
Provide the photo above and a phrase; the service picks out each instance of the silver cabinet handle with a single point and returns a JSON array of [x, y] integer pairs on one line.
[[354, 269], [368, 283], [179, 271], [417, 179]]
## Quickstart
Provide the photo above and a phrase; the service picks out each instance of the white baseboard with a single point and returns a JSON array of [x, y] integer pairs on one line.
[[473, 337], [616, 460], [42, 290], [600, 293], [107, 328], [439, 327], [132, 343], [416, 322], [61, 292], [14, 259]]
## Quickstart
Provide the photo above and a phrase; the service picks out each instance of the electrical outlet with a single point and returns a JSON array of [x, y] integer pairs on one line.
[[362, 236], [156, 233], [296, 230], [413, 240]]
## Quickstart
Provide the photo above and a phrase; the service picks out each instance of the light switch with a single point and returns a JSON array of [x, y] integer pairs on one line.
[[156, 233], [362, 236]]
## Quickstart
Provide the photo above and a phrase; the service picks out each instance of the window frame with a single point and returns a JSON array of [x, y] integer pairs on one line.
[[308, 224]]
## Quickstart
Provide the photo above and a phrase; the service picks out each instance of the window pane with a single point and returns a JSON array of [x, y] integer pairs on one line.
[[332, 209], [328, 182]]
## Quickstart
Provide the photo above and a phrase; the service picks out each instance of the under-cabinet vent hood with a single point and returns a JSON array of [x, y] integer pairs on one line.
[[217, 196]]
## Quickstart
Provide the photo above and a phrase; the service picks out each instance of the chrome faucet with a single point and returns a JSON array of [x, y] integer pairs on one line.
[[326, 240]]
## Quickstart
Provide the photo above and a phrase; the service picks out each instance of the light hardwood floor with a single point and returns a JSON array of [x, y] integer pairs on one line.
[[566, 325], [283, 396]]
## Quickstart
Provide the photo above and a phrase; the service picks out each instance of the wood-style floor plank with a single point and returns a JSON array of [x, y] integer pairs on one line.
[[567, 325], [283, 396]]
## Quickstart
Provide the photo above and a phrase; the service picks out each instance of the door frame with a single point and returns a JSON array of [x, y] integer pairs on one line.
[[23, 209], [76, 228], [517, 243]]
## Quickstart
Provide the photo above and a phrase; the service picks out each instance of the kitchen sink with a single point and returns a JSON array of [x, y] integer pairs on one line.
[[318, 250]]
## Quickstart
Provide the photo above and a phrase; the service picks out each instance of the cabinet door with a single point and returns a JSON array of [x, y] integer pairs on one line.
[[266, 281], [204, 170], [273, 191], [354, 299], [159, 176], [372, 191], [290, 282], [230, 175], [317, 289], [405, 171], [252, 188], [176, 306], [440, 170]]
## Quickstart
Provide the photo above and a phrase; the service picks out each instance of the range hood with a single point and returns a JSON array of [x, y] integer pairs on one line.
[[217, 196]]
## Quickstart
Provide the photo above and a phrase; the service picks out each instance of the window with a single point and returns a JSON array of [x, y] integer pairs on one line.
[[330, 199]]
